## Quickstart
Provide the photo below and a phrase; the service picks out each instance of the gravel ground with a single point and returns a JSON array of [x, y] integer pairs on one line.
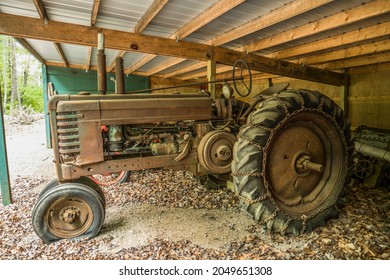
[[163, 214]]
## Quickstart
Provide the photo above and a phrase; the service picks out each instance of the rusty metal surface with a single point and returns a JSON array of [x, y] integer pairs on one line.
[[70, 172], [215, 151], [119, 75], [69, 217], [300, 160]]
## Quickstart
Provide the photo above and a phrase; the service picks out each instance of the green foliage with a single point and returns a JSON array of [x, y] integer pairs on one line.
[[26, 78], [32, 96]]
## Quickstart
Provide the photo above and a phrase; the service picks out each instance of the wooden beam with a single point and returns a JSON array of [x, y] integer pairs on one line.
[[358, 61], [162, 66], [362, 35], [366, 49], [61, 54], [216, 10], [381, 67], [95, 11], [30, 49], [213, 12], [285, 12], [40, 9], [139, 63], [353, 15], [211, 73], [186, 69], [149, 15], [331, 56], [358, 36], [19, 26]]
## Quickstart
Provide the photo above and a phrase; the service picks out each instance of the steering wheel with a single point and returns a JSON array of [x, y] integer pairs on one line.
[[239, 68]]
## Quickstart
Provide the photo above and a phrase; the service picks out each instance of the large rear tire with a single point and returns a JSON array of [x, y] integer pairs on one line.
[[291, 161]]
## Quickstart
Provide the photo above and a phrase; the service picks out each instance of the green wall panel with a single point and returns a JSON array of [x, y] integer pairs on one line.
[[72, 81]]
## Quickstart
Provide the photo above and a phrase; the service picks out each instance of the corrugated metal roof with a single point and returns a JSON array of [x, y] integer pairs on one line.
[[247, 11], [19, 8], [45, 49], [70, 11], [76, 54], [311, 16], [175, 15], [123, 15]]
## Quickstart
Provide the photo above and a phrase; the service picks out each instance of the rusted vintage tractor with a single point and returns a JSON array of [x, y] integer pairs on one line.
[[287, 153]]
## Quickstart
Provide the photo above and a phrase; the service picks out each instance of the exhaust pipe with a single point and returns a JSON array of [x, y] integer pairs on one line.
[[119, 75], [101, 65], [372, 151]]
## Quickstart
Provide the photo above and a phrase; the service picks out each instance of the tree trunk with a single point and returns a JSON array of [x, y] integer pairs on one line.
[[5, 45], [14, 78]]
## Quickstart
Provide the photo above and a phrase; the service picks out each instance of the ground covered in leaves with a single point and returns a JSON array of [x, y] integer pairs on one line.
[[184, 220]]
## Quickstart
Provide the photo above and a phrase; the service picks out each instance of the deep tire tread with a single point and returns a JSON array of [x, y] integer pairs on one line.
[[247, 158]]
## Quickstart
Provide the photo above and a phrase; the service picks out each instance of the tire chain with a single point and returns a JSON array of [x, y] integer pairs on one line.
[[265, 150]]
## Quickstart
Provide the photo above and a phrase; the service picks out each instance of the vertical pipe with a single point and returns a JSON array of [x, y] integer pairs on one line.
[[119, 75], [101, 69], [4, 173]]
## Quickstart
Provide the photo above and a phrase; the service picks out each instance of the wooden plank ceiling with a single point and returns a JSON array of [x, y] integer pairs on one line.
[[174, 39]]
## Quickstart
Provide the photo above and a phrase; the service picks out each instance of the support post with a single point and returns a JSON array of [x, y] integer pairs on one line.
[[4, 173], [211, 73], [45, 102], [344, 96]]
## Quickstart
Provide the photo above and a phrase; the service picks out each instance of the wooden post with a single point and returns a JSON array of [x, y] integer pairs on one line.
[[211, 73], [344, 96], [4, 173]]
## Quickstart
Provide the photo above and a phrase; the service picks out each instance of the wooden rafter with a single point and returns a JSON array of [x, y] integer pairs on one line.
[[366, 49], [332, 60], [359, 13], [153, 10], [357, 36], [285, 12], [139, 63], [28, 47], [95, 11], [196, 23], [43, 15], [61, 53], [90, 49], [149, 15], [357, 61], [83, 35], [186, 69], [40, 9], [332, 42]]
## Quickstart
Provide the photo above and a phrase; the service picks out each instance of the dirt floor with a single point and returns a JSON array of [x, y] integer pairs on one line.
[[162, 214]]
